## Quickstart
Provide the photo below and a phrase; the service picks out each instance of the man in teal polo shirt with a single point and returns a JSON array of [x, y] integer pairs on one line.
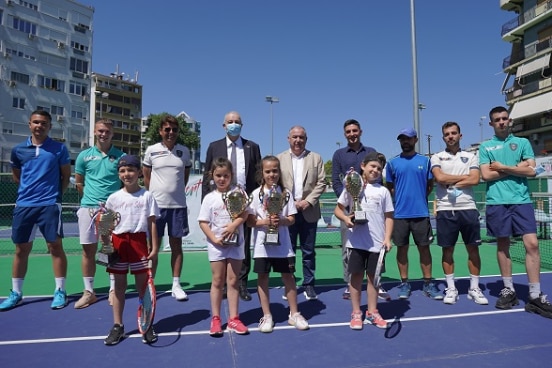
[[506, 162], [96, 177]]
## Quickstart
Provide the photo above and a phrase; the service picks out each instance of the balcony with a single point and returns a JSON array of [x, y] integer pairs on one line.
[[514, 29], [532, 49], [510, 4]]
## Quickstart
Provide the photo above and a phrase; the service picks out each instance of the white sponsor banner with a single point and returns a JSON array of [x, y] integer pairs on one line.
[[195, 239]]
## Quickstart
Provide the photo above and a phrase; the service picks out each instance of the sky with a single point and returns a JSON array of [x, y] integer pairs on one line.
[[325, 60]]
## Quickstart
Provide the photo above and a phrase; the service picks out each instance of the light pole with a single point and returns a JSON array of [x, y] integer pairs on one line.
[[429, 136], [415, 74], [481, 119], [272, 100]]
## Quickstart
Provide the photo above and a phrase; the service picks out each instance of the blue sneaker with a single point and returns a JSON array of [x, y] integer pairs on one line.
[[60, 299], [404, 290], [431, 291], [14, 299]]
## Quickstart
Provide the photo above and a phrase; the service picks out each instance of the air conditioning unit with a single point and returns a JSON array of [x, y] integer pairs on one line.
[[60, 45], [11, 83], [60, 118], [85, 98], [86, 76], [31, 36], [6, 55]]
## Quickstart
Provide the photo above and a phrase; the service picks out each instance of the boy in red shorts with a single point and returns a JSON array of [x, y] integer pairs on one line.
[[138, 211]]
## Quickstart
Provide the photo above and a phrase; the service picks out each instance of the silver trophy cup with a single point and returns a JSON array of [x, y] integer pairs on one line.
[[236, 201], [274, 203], [354, 186], [105, 221]]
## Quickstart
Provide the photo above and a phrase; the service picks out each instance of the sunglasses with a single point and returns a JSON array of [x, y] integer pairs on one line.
[[168, 130]]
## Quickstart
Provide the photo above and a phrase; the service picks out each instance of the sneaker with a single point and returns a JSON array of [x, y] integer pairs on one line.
[[60, 299], [477, 296], [356, 321], [539, 306], [375, 319], [451, 296], [298, 321], [404, 290], [432, 291], [13, 300], [86, 299], [383, 294], [506, 299], [115, 335], [347, 294], [216, 327], [309, 292], [111, 296], [234, 324], [150, 337], [265, 324], [284, 296], [179, 294]]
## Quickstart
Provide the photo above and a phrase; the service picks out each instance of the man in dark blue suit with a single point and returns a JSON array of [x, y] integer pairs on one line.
[[246, 159]]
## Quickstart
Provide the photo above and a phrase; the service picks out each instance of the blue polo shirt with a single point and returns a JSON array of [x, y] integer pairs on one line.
[[40, 181], [343, 159], [101, 176]]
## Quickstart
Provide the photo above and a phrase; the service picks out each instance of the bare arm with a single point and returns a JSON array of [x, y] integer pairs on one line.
[[147, 176], [65, 172], [79, 183], [16, 175], [496, 170]]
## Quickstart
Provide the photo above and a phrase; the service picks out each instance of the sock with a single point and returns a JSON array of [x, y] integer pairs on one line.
[[60, 283], [426, 281], [89, 283], [450, 281], [17, 285], [176, 281], [508, 283], [474, 281], [111, 282], [534, 290], [404, 281]]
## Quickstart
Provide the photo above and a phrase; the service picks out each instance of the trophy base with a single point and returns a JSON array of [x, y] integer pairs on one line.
[[231, 240], [272, 239], [360, 217], [106, 259]]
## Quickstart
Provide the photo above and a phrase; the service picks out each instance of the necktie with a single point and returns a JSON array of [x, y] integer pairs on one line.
[[234, 161]]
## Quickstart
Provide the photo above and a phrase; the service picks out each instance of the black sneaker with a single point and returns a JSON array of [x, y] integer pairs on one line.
[[115, 335], [309, 292], [507, 299], [540, 306], [150, 336]]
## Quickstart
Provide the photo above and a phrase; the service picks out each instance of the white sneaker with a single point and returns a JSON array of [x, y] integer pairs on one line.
[[298, 321], [178, 293], [383, 294], [477, 296], [265, 324], [451, 296]]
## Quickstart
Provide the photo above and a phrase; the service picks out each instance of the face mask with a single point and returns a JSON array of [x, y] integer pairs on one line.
[[453, 193], [233, 129]]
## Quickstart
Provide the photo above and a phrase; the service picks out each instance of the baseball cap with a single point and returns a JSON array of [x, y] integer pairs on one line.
[[372, 156], [129, 160], [409, 132]]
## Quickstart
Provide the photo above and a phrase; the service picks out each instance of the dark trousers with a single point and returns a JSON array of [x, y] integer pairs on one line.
[[246, 264], [306, 232]]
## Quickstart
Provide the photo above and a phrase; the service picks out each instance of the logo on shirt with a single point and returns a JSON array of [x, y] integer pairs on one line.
[[159, 153], [464, 159], [513, 146], [112, 158], [92, 158], [179, 153]]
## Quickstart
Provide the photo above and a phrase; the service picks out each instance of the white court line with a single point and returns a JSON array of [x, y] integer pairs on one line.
[[206, 332]]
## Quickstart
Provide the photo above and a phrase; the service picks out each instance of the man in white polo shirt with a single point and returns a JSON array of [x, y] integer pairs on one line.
[[166, 171]]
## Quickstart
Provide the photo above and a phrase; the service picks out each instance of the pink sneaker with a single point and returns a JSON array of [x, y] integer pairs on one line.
[[234, 324], [216, 327], [375, 319], [356, 321]]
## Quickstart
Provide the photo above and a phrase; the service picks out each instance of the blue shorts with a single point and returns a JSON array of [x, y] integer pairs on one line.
[[505, 220], [452, 223], [420, 227], [27, 219], [177, 221]]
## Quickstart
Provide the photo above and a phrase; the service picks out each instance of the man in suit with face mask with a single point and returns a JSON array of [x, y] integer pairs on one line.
[[245, 155]]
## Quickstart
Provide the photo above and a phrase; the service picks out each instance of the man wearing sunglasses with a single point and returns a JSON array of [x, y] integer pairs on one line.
[[166, 169]]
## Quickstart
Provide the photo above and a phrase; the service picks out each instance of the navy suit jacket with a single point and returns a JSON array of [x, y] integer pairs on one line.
[[252, 157]]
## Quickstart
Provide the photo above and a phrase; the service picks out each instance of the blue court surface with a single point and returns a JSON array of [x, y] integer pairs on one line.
[[423, 333]]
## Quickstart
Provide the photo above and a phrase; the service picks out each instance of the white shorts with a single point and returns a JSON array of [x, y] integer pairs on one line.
[[87, 230]]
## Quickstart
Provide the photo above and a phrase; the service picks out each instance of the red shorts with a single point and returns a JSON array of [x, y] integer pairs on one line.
[[133, 253]]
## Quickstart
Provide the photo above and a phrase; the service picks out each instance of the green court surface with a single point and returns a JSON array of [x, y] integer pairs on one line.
[[196, 274]]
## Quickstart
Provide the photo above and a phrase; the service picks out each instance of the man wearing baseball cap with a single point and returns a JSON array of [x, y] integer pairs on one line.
[[409, 179]]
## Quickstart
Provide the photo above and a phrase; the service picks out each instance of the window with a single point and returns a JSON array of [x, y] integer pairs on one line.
[[78, 114], [20, 77], [24, 26], [43, 108], [18, 103], [27, 4], [51, 83], [77, 88], [78, 65], [56, 110], [78, 46]]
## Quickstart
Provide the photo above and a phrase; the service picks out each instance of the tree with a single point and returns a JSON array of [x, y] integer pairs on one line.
[[185, 136], [328, 170]]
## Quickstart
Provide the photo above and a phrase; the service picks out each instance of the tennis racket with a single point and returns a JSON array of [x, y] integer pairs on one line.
[[146, 309], [377, 274]]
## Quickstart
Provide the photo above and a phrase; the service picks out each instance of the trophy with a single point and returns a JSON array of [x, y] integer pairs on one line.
[[274, 202], [236, 201], [105, 221], [354, 186]]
